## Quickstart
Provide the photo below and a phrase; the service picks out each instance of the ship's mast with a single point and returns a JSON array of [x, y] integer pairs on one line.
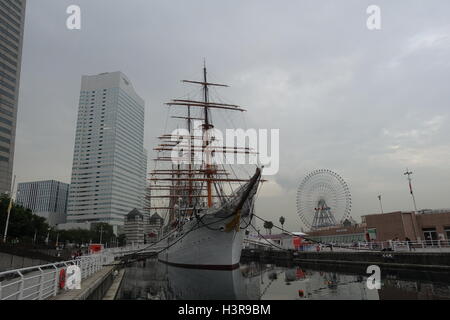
[[185, 186], [191, 157], [207, 140], [205, 92]]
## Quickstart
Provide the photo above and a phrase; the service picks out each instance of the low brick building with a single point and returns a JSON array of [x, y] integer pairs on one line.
[[427, 225]]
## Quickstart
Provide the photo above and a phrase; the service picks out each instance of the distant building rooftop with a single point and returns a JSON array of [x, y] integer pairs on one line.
[[155, 216], [134, 213]]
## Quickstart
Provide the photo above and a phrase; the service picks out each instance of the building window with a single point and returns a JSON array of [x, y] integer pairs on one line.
[[430, 235], [6, 140], [5, 130], [4, 149], [447, 233]]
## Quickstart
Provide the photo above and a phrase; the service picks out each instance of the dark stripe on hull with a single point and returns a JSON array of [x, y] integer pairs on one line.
[[202, 266]]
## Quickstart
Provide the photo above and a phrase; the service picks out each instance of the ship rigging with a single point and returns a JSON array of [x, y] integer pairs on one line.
[[208, 206]]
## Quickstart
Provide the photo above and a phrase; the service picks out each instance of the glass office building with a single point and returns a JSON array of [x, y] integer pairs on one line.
[[47, 199], [109, 162], [12, 18]]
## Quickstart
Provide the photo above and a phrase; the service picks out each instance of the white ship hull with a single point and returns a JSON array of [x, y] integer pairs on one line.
[[213, 239], [206, 247]]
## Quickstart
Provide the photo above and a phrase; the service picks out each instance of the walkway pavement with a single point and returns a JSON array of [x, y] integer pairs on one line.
[[87, 286], [112, 291]]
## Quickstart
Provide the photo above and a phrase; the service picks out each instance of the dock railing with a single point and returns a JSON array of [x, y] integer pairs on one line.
[[399, 246], [405, 246], [42, 282]]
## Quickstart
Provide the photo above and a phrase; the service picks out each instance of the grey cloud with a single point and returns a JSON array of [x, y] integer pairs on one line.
[[343, 97]]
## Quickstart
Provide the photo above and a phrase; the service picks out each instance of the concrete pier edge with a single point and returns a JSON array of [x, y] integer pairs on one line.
[[112, 292], [439, 262], [92, 288]]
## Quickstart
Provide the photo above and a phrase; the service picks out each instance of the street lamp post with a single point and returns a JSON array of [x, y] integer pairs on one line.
[[101, 233], [409, 173], [9, 210], [47, 240], [381, 204]]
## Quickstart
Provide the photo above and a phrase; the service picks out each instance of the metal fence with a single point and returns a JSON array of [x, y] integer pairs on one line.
[[405, 246], [120, 251], [42, 282]]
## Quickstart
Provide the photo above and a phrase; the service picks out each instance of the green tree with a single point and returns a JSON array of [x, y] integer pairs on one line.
[[76, 236], [268, 225], [122, 239], [102, 232], [23, 224], [282, 221]]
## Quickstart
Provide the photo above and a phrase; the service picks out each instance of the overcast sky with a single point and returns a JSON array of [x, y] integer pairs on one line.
[[366, 104]]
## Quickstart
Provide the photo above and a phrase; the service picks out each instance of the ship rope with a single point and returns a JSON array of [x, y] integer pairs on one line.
[[268, 242], [238, 225], [264, 291], [284, 230], [252, 209], [195, 227]]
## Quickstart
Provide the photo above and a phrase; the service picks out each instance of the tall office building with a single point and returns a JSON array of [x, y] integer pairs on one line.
[[47, 199], [12, 18], [109, 162]]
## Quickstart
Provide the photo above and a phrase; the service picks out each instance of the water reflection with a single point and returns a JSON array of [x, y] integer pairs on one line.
[[152, 280]]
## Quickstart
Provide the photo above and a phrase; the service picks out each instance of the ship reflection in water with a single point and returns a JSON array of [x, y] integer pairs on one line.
[[152, 280]]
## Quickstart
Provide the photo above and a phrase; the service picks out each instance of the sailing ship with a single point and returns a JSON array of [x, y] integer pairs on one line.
[[207, 214]]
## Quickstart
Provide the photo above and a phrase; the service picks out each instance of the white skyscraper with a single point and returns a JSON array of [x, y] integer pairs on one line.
[[109, 163]]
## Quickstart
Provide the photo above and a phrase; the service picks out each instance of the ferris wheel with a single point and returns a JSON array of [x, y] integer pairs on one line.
[[323, 199]]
